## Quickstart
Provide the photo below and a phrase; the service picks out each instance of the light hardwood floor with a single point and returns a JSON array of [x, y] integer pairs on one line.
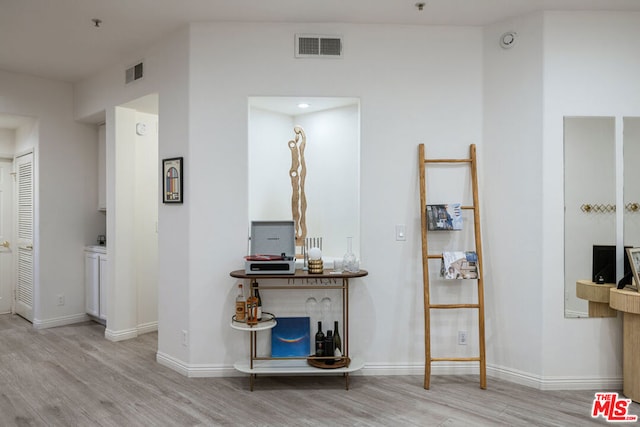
[[72, 376]]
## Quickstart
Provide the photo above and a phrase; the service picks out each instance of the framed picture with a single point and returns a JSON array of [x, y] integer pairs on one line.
[[172, 184], [634, 260], [291, 337]]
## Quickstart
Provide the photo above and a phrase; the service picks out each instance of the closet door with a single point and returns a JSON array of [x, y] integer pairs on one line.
[[24, 220]]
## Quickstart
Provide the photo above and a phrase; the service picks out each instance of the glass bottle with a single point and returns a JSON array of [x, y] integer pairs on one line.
[[328, 347], [349, 261], [241, 304], [259, 308], [319, 341], [337, 342], [251, 314]]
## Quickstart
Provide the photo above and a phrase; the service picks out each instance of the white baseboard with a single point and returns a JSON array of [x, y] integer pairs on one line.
[[439, 368], [578, 314], [196, 371], [554, 383], [127, 334], [124, 334], [145, 328], [60, 321]]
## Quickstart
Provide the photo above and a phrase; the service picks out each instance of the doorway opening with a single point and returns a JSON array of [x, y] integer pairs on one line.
[[18, 136], [132, 169]]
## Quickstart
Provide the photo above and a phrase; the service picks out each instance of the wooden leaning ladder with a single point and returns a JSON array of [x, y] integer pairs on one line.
[[426, 256]]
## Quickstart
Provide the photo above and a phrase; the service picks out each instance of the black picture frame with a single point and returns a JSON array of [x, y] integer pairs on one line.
[[172, 181]]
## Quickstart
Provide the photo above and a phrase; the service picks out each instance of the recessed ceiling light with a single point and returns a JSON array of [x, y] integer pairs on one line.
[[303, 105]]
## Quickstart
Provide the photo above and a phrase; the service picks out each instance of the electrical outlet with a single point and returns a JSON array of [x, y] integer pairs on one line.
[[60, 299], [185, 338], [462, 337]]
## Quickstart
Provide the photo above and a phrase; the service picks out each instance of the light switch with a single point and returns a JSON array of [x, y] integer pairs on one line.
[[401, 232]]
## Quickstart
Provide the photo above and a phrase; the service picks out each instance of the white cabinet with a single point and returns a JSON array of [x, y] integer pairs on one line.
[[102, 169], [95, 269]]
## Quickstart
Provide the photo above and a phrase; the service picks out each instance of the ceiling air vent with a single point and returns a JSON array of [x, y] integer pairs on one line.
[[314, 46], [134, 73]]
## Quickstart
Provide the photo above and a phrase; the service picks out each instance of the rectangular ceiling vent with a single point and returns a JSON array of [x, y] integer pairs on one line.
[[315, 46], [133, 73]]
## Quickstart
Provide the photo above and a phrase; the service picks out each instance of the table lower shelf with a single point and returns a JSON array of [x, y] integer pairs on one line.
[[293, 366]]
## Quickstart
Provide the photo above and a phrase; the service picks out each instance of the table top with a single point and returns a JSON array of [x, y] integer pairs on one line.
[[300, 274], [626, 300]]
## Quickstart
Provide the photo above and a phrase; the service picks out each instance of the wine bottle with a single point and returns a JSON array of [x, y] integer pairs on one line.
[[241, 304], [319, 341], [337, 341], [259, 310], [328, 347]]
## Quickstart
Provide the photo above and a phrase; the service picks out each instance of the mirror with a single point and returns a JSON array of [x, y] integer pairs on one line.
[[631, 198], [589, 200], [332, 158]]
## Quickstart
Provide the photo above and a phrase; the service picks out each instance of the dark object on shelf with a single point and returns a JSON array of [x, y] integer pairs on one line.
[[322, 363], [329, 347], [603, 267], [626, 280], [319, 341]]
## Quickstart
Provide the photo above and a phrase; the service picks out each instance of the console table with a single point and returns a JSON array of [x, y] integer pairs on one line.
[[628, 302], [295, 365], [598, 297]]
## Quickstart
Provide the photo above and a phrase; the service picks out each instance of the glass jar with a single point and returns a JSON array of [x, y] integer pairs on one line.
[[349, 261]]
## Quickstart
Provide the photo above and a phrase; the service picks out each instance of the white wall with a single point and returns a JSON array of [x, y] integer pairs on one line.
[[333, 177], [65, 219], [133, 250], [511, 185], [589, 70], [166, 73], [332, 180], [423, 84], [7, 142], [146, 222]]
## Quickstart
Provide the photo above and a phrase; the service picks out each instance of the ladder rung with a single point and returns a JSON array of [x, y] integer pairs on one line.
[[434, 256], [455, 359], [447, 160], [447, 306]]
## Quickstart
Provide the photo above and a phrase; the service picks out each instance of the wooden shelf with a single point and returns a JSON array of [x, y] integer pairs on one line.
[[299, 274]]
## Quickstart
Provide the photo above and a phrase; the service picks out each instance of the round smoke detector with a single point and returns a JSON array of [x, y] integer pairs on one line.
[[508, 39]]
